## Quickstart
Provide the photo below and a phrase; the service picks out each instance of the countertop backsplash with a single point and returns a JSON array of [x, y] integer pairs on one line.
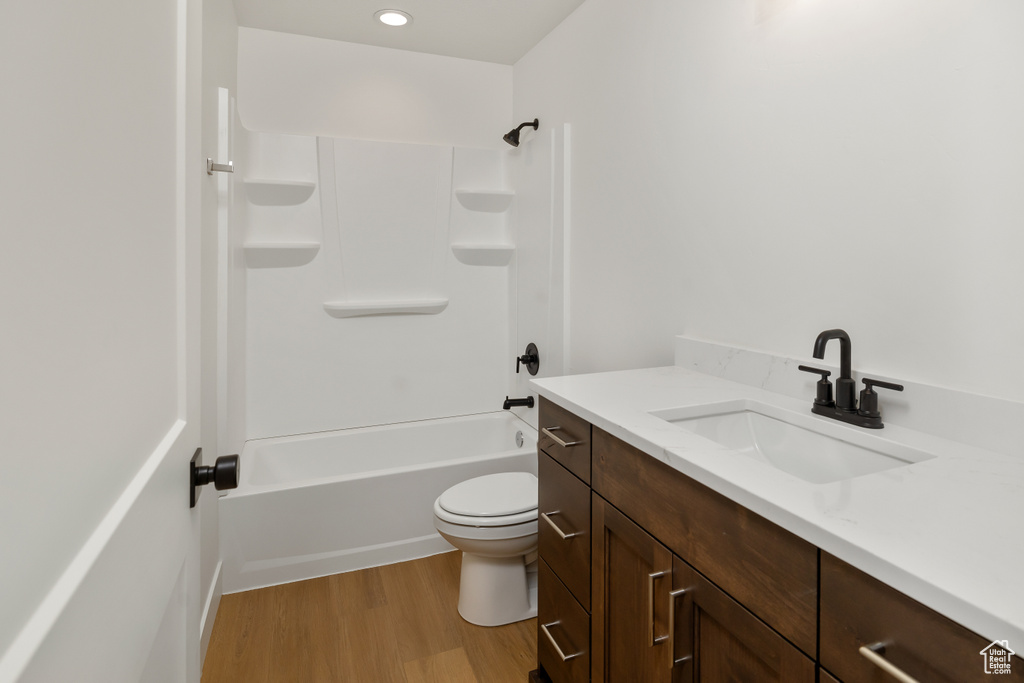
[[982, 421]]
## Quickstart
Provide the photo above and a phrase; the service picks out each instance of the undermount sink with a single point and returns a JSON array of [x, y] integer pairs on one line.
[[802, 445]]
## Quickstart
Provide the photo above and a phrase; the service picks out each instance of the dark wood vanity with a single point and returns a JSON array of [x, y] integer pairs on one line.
[[648, 576]]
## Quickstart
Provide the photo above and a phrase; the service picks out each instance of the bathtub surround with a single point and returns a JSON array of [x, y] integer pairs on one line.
[[377, 225], [385, 211], [351, 325]]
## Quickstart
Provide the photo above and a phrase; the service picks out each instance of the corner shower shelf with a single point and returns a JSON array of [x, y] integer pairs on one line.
[[267, 192], [354, 309], [481, 254], [279, 254], [489, 201]]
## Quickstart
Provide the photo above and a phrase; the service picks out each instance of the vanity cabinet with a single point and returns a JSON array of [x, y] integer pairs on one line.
[[647, 575], [770, 571], [564, 546], [859, 611], [655, 617]]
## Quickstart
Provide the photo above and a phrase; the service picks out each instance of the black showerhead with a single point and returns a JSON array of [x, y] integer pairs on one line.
[[512, 137]]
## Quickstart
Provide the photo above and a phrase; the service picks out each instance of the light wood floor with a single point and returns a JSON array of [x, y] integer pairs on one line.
[[393, 624]]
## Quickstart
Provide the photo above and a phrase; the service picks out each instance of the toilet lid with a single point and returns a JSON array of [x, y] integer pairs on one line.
[[493, 495]]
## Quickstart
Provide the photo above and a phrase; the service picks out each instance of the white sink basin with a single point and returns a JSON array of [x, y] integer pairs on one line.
[[806, 446]]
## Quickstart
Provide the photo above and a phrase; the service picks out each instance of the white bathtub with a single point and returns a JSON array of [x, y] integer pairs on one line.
[[319, 504]]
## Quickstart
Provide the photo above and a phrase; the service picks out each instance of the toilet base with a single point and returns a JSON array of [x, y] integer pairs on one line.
[[496, 591]]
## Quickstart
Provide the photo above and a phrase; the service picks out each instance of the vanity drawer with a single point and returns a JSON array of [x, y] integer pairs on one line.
[[858, 610], [564, 506], [563, 631], [772, 572], [565, 437]]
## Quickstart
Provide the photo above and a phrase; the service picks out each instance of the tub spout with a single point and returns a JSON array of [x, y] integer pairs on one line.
[[512, 402]]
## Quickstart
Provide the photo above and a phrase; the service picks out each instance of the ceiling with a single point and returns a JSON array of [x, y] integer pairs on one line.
[[499, 31]]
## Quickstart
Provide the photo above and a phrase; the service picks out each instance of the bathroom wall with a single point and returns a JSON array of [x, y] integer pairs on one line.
[[313, 86], [310, 369], [751, 172]]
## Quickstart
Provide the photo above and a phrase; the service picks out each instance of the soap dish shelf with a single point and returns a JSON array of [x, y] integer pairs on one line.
[[487, 201], [278, 192], [279, 254], [483, 254], [355, 309]]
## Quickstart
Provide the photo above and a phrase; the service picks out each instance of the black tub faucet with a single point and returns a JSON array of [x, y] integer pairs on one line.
[[845, 385], [514, 402]]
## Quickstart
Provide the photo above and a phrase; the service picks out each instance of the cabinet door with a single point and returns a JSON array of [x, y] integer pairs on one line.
[[563, 631], [564, 526], [631, 580], [861, 616], [716, 639], [565, 437]]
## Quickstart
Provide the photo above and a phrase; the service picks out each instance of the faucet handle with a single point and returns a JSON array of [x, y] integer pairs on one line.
[[824, 397], [868, 383], [869, 399], [821, 371]]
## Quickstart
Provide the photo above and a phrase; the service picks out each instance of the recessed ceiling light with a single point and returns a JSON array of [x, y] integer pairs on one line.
[[393, 17]]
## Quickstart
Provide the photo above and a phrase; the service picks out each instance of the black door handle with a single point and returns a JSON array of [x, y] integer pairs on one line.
[[223, 475]]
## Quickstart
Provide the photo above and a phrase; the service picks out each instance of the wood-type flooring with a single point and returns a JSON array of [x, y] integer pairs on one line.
[[392, 624]]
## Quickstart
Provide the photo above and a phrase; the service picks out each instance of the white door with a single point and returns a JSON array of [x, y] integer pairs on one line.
[[100, 166]]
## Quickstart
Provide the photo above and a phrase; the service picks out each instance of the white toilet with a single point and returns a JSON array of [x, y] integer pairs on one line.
[[493, 521]]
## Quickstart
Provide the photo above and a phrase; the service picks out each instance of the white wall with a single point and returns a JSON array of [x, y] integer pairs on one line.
[[755, 171], [313, 86]]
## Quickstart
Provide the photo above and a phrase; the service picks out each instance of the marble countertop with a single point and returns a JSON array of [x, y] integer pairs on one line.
[[948, 531]]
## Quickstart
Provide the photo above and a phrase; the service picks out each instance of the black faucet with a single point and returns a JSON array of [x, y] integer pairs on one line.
[[844, 407], [514, 402], [845, 384]]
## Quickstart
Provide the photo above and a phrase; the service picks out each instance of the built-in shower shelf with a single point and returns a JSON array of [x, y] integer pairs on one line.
[[354, 309], [279, 254], [489, 201], [484, 254], [277, 192]]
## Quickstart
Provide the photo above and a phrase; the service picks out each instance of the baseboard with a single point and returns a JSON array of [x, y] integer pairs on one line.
[[210, 612], [274, 572]]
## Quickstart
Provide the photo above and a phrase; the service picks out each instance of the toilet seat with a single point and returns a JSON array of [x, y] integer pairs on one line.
[[466, 520], [493, 500], [506, 494]]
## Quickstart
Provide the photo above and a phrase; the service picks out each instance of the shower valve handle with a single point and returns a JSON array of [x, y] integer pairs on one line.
[[531, 359]]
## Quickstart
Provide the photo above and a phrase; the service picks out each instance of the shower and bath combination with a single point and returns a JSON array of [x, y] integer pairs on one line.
[[512, 137]]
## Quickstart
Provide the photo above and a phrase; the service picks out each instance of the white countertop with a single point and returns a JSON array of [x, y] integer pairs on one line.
[[948, 532]]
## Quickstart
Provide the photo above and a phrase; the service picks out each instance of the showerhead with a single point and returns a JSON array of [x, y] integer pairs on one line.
[[512, 137]]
